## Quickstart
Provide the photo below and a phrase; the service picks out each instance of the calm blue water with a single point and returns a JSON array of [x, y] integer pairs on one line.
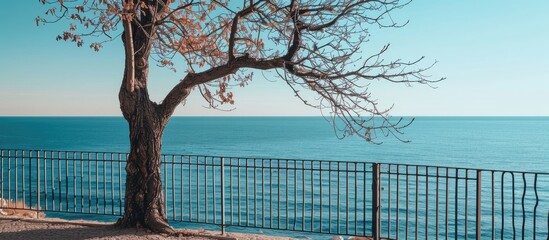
[[508, 143], [513, 143]]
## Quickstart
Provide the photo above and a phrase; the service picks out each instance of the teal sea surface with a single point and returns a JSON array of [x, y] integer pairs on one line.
[[506, 143]]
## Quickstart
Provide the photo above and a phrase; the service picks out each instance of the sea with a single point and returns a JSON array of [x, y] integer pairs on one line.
[[500, 143], [504, 143]]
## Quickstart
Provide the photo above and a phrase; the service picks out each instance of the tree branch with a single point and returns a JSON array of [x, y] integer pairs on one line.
[[129, 52], [183, 88], [161, 21], [234, 27], [315, 45]]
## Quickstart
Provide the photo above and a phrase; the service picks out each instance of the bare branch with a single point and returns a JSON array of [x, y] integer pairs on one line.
[[317, 47], [129, 50]]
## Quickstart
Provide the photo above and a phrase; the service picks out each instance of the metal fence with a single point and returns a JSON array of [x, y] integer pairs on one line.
[[395, 201]]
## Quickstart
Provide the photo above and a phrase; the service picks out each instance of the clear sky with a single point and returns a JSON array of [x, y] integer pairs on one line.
[[494, 53]]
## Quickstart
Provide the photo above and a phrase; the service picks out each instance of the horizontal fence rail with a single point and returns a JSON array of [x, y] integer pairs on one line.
[[393, 201]]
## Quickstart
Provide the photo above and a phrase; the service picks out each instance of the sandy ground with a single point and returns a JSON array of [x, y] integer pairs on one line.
[[15, 228]]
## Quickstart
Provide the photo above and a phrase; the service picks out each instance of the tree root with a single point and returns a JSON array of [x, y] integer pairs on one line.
[[159, 226], [153, 225]]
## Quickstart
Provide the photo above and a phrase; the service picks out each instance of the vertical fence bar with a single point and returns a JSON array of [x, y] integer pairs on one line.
[[376, 192], [246, 193], [537, 202], [346, 198], [295, 194], [287, 199], [456, 190], [436, 204], [120, 182], [23, 176], [271, 193], [255, 192], [190, 191], [89, 183], [466, 232], [426, 203], [416, 202], [238, 179], [81, 182], [9, 175], [214, 193], [407, 202], [502, 205], [389, 200], [522, 203], [182, 188], [30, 178], [446, 206], [356, 199], [112, 183], [45, 180], [513, 205], [303, 195], [478, 207], [197, 186], [206, 189], [59, 181], [278, 170], [16, 176], [173, 189], [338, 202], [262, 193], [37, 181], [364, 197], [74, 180], [66, 180], [493, 206], [238, 190], [222, 196], [330, 197], [397, 202], [96, 183], [2, 173], [231, 189], [104, 163], [164, 186]]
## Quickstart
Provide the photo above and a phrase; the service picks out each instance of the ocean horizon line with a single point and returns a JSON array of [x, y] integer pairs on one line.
[[275, 116]]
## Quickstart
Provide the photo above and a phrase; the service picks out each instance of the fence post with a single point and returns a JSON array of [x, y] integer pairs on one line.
[[478, 209], [38, 182], [376, 199], [222, 196]]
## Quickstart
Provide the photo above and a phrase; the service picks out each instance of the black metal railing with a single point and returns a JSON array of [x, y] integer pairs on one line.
[[345, 198]]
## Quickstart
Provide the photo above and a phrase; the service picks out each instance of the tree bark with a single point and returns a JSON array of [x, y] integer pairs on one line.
[[144, 201]]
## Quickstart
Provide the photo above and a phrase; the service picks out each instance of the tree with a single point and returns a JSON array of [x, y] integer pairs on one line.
[[313, 45]]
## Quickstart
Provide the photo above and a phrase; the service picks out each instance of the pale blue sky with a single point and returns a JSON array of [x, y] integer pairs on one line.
[[494, 53]]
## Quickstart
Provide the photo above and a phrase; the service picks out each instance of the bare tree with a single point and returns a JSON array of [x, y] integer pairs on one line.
[[314, 46]]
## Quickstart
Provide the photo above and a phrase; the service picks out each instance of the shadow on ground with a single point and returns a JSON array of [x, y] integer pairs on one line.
[[68, 233]]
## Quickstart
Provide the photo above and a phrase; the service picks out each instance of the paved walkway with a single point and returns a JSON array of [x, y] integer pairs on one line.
[[12, 228]]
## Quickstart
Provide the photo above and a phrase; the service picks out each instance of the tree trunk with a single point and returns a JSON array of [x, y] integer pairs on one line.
[[144, 201]]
